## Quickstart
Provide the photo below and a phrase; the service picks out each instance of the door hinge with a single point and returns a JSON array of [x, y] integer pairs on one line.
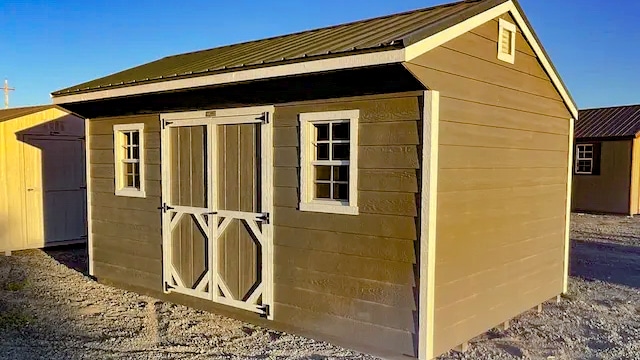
[[264, 217], [265, 310], [165, 123], [165, 207], [264, 117]]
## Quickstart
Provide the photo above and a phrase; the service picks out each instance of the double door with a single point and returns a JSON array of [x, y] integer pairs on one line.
[[217, 231]]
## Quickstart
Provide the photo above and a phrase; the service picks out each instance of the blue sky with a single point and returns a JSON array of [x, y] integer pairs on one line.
[[47, 45]]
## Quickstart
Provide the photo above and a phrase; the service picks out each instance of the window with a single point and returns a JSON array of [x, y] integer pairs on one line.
[[329, 162], [506, 41], [129, 159], [587, 159]]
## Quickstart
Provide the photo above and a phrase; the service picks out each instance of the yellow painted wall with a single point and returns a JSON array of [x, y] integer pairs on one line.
[[20, 229]]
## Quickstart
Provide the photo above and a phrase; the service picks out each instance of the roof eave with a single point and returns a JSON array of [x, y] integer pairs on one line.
[[384, 57]]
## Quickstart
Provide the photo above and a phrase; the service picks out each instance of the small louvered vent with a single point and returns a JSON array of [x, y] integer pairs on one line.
[[506, 41]]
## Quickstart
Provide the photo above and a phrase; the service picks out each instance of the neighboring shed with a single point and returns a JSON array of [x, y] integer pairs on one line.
[[396, 185], [607, 160], [42, 178]]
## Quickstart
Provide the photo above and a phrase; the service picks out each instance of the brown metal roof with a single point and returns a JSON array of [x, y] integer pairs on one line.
[[12, 113], [378, 34], [618, 121]]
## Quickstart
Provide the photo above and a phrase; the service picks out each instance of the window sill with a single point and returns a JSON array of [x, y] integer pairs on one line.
[[131, 193], [329, 208]]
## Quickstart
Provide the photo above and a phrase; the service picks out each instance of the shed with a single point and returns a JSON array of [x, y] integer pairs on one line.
[[607, 160], [397, 185], [42, 178]]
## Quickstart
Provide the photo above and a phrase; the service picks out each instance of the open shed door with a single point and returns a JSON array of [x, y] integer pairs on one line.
[[217, 181]]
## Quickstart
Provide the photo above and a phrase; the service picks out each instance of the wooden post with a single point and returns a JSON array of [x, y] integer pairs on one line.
[[558, 299], [539, 308], [504, 326]]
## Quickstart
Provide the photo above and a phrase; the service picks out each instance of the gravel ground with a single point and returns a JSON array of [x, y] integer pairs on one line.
[[50, 310]]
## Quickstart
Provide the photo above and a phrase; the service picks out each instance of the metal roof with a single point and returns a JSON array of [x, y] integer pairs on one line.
[[378, 34], [618, 121], [12, 113]]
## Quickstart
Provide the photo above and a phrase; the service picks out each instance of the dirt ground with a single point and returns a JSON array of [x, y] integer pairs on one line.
[[50, 310]]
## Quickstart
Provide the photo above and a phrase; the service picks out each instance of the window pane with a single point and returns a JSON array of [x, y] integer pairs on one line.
[[322, 131], [340, 131], [130, 181], [136, 181], [135, 138], [129, 169], [341, 191], [340, 152], [323, 173], [323, 191], [135, 152], [322, 152], [341, 173], [127, 138]]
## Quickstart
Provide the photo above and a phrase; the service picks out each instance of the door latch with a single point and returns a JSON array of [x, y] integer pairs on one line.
[[264, 217], [165, 207]]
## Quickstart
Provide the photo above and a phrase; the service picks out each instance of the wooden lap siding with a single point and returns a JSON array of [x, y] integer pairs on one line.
[[610, 190], [126, 231], [502, 183], [343, 275], [340, 277]]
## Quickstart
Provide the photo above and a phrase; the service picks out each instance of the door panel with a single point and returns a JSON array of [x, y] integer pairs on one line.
[[189, 166], [189, 249], [188, 210], [55, 189], [238, 179]]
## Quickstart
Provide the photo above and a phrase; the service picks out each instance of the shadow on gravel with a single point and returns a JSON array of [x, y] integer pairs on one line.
[[613, 263], [72, 256], [26, 330]]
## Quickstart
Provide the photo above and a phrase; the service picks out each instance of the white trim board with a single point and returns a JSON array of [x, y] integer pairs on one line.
[[567, 230], [88, 181], [428, 212], [340, 63]]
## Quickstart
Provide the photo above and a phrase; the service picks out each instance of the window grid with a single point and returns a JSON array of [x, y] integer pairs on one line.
[[584, 159], [131, 158], [322, 162]]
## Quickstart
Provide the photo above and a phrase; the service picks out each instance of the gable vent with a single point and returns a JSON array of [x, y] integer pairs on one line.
[[506, 41]]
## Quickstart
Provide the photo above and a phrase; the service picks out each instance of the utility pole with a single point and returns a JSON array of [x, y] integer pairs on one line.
[[6, 93]]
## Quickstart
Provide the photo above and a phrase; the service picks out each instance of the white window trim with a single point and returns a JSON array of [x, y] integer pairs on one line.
[[505, 25], [307, 203], [578, 159], [120, 189]]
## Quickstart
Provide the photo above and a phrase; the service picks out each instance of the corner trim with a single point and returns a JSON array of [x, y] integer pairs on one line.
[[428, 216], [87, 159], [567, 235]]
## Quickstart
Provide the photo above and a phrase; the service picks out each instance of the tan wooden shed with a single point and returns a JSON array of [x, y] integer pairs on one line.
[[607, 160], [396, 185], [42, 178]]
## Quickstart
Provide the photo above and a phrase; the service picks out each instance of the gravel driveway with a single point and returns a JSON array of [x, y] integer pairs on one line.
[[50, 310]]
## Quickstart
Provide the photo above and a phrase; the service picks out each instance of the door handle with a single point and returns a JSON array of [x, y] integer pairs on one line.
[[30, 189]]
